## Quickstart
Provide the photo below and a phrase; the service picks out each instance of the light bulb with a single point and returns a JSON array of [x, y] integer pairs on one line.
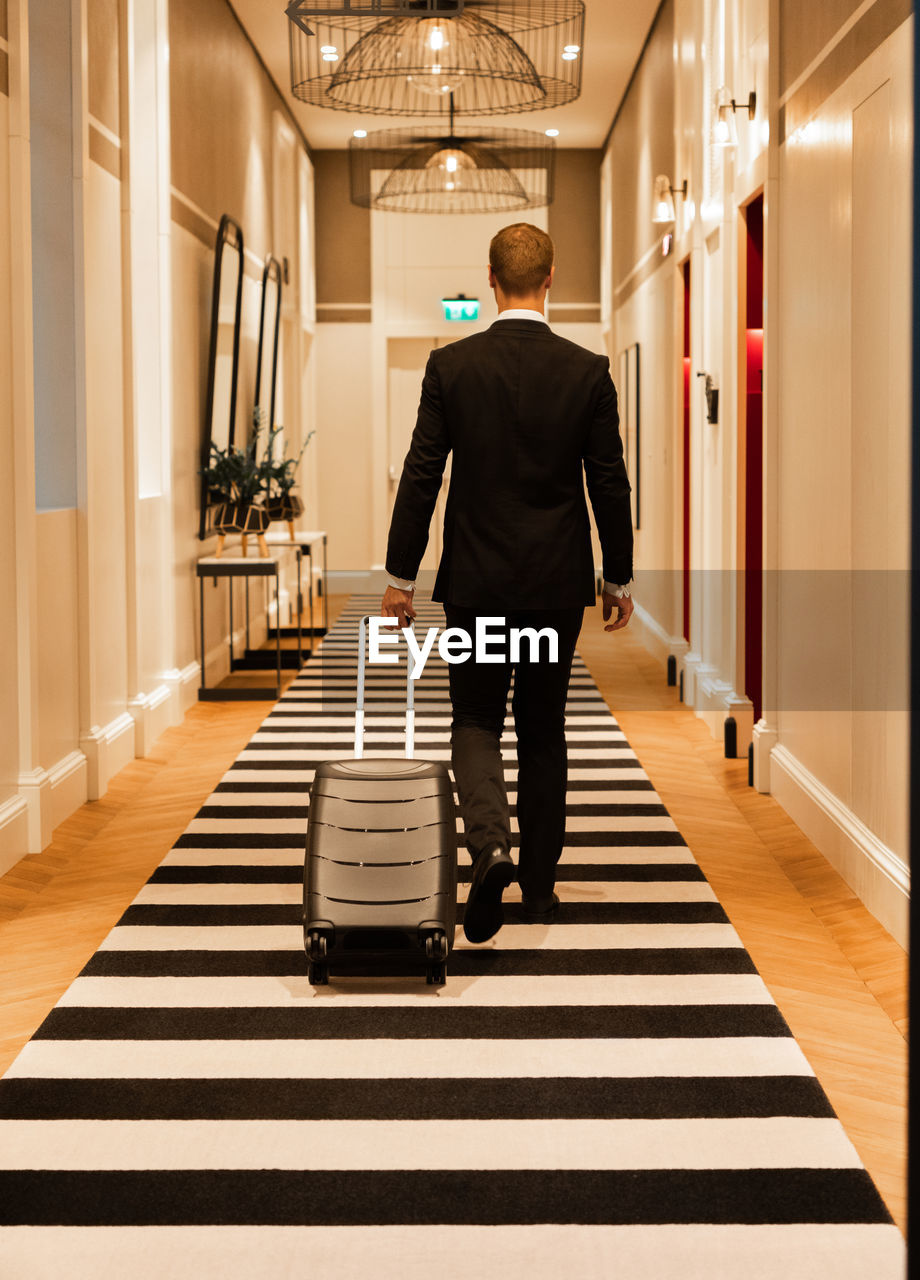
[[573, 48], [328, 48], [450, 164], [360, 133], [569, 57], [437, 40], [330, 57], [449, 186], [722, 133], [552, 133], [663, 213]]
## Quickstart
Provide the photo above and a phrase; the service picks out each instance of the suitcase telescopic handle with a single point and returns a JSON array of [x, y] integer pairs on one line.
[[359, 705]]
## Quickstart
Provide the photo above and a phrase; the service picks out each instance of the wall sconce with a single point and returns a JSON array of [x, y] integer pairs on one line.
[[663, 199], [724, 130]]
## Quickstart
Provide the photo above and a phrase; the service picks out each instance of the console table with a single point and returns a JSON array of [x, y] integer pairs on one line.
[[306, 541], [245, 567]]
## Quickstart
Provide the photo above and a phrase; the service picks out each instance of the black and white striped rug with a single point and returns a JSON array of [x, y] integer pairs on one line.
[[614, 1096]]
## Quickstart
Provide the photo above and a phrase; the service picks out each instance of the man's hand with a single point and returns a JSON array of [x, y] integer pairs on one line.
[[624, 607], [398, 604]]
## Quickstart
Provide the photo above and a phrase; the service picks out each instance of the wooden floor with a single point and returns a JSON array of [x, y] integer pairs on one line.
[[838, 977]]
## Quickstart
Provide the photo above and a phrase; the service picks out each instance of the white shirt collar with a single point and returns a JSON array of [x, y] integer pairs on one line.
[[522, 313]]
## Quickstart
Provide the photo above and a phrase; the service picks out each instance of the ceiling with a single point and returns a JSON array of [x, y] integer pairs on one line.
[[615, 32]]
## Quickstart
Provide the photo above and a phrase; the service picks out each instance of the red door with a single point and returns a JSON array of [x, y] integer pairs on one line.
[[753, 480]]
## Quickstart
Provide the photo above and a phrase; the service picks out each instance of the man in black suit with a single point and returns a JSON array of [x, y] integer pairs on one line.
[[522, 411]]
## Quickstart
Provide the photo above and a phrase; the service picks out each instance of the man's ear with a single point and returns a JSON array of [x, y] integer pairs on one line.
[[549, 278], [492, 280]]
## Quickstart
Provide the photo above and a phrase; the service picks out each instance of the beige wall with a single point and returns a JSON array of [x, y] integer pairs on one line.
[[844, 489], [573, 221], [832, 743], [102, 22], [234, 150], [343, 244], [98, 648], [642, 146], [9, 692], [222, 104]]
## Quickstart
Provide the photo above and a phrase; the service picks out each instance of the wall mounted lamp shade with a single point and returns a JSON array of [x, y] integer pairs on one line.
[[428, 170], [663, 211], [724, 129], [408, 57]]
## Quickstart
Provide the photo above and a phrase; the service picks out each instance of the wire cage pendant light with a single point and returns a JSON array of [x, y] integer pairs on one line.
[[408, 57], [425, 170]]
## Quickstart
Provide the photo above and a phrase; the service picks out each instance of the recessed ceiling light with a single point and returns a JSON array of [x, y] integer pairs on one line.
[[360, 133], [552, 133]]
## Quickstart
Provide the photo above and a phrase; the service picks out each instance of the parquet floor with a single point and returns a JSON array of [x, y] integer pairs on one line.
[[838, 977]]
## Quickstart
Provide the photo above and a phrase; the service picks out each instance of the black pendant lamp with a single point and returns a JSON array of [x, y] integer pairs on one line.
[[462, 170], [409, 57]]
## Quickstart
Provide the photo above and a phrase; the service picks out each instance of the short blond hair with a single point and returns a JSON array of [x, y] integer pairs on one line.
[[521, 256]]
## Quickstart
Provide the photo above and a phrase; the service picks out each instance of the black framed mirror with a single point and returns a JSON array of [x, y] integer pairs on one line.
[[223, 352], [267, 359]]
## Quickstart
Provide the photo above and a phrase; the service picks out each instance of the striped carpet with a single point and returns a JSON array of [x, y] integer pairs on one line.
[[614, 1096]]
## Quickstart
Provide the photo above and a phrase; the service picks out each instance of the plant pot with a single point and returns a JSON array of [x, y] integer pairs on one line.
[[286, 506], [243, 518]]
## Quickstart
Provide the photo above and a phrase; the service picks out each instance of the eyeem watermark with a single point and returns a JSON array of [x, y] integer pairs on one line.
[[455, 644]]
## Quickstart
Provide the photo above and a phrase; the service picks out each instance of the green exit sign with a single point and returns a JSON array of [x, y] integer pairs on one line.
[[460, 308]]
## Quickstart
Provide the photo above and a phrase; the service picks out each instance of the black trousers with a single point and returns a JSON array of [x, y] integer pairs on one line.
[[479, 695]]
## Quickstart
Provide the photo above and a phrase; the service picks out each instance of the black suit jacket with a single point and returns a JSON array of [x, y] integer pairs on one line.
[[523, 411]]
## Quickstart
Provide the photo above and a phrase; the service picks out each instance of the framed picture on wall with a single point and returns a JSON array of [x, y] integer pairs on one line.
[[628, 390]]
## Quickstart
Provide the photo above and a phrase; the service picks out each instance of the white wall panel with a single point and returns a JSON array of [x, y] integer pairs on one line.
[[58, 659], [105, 450], [9, 691]]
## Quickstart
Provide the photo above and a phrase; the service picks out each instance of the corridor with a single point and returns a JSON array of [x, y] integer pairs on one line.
[[239, 240]]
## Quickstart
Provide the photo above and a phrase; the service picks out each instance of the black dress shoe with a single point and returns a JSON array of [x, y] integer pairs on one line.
[[493, 871], [540, 910]]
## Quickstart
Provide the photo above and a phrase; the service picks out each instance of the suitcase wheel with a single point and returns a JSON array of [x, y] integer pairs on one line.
[[437, 975], [317, 945], [436, 947], [318, 974]]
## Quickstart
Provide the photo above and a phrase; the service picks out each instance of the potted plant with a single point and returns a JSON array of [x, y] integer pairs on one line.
[[280, 477], [235, 482]]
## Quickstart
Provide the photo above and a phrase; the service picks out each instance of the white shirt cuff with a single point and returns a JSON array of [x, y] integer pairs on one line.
[[401, 584], [614, 589]]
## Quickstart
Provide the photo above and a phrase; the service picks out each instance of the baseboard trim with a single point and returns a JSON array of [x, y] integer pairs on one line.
[[14, 832], [875, 873], [654, 637], [183, 689], [151, 713], [68, 786], [107, 749]]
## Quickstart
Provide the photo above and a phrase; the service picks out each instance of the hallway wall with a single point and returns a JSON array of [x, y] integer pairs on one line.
[[829, 150], [231, 135], [13, 808], [841, 756], [101, 403]]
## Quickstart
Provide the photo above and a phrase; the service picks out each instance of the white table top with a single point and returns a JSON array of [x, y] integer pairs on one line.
[[278, 538]]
